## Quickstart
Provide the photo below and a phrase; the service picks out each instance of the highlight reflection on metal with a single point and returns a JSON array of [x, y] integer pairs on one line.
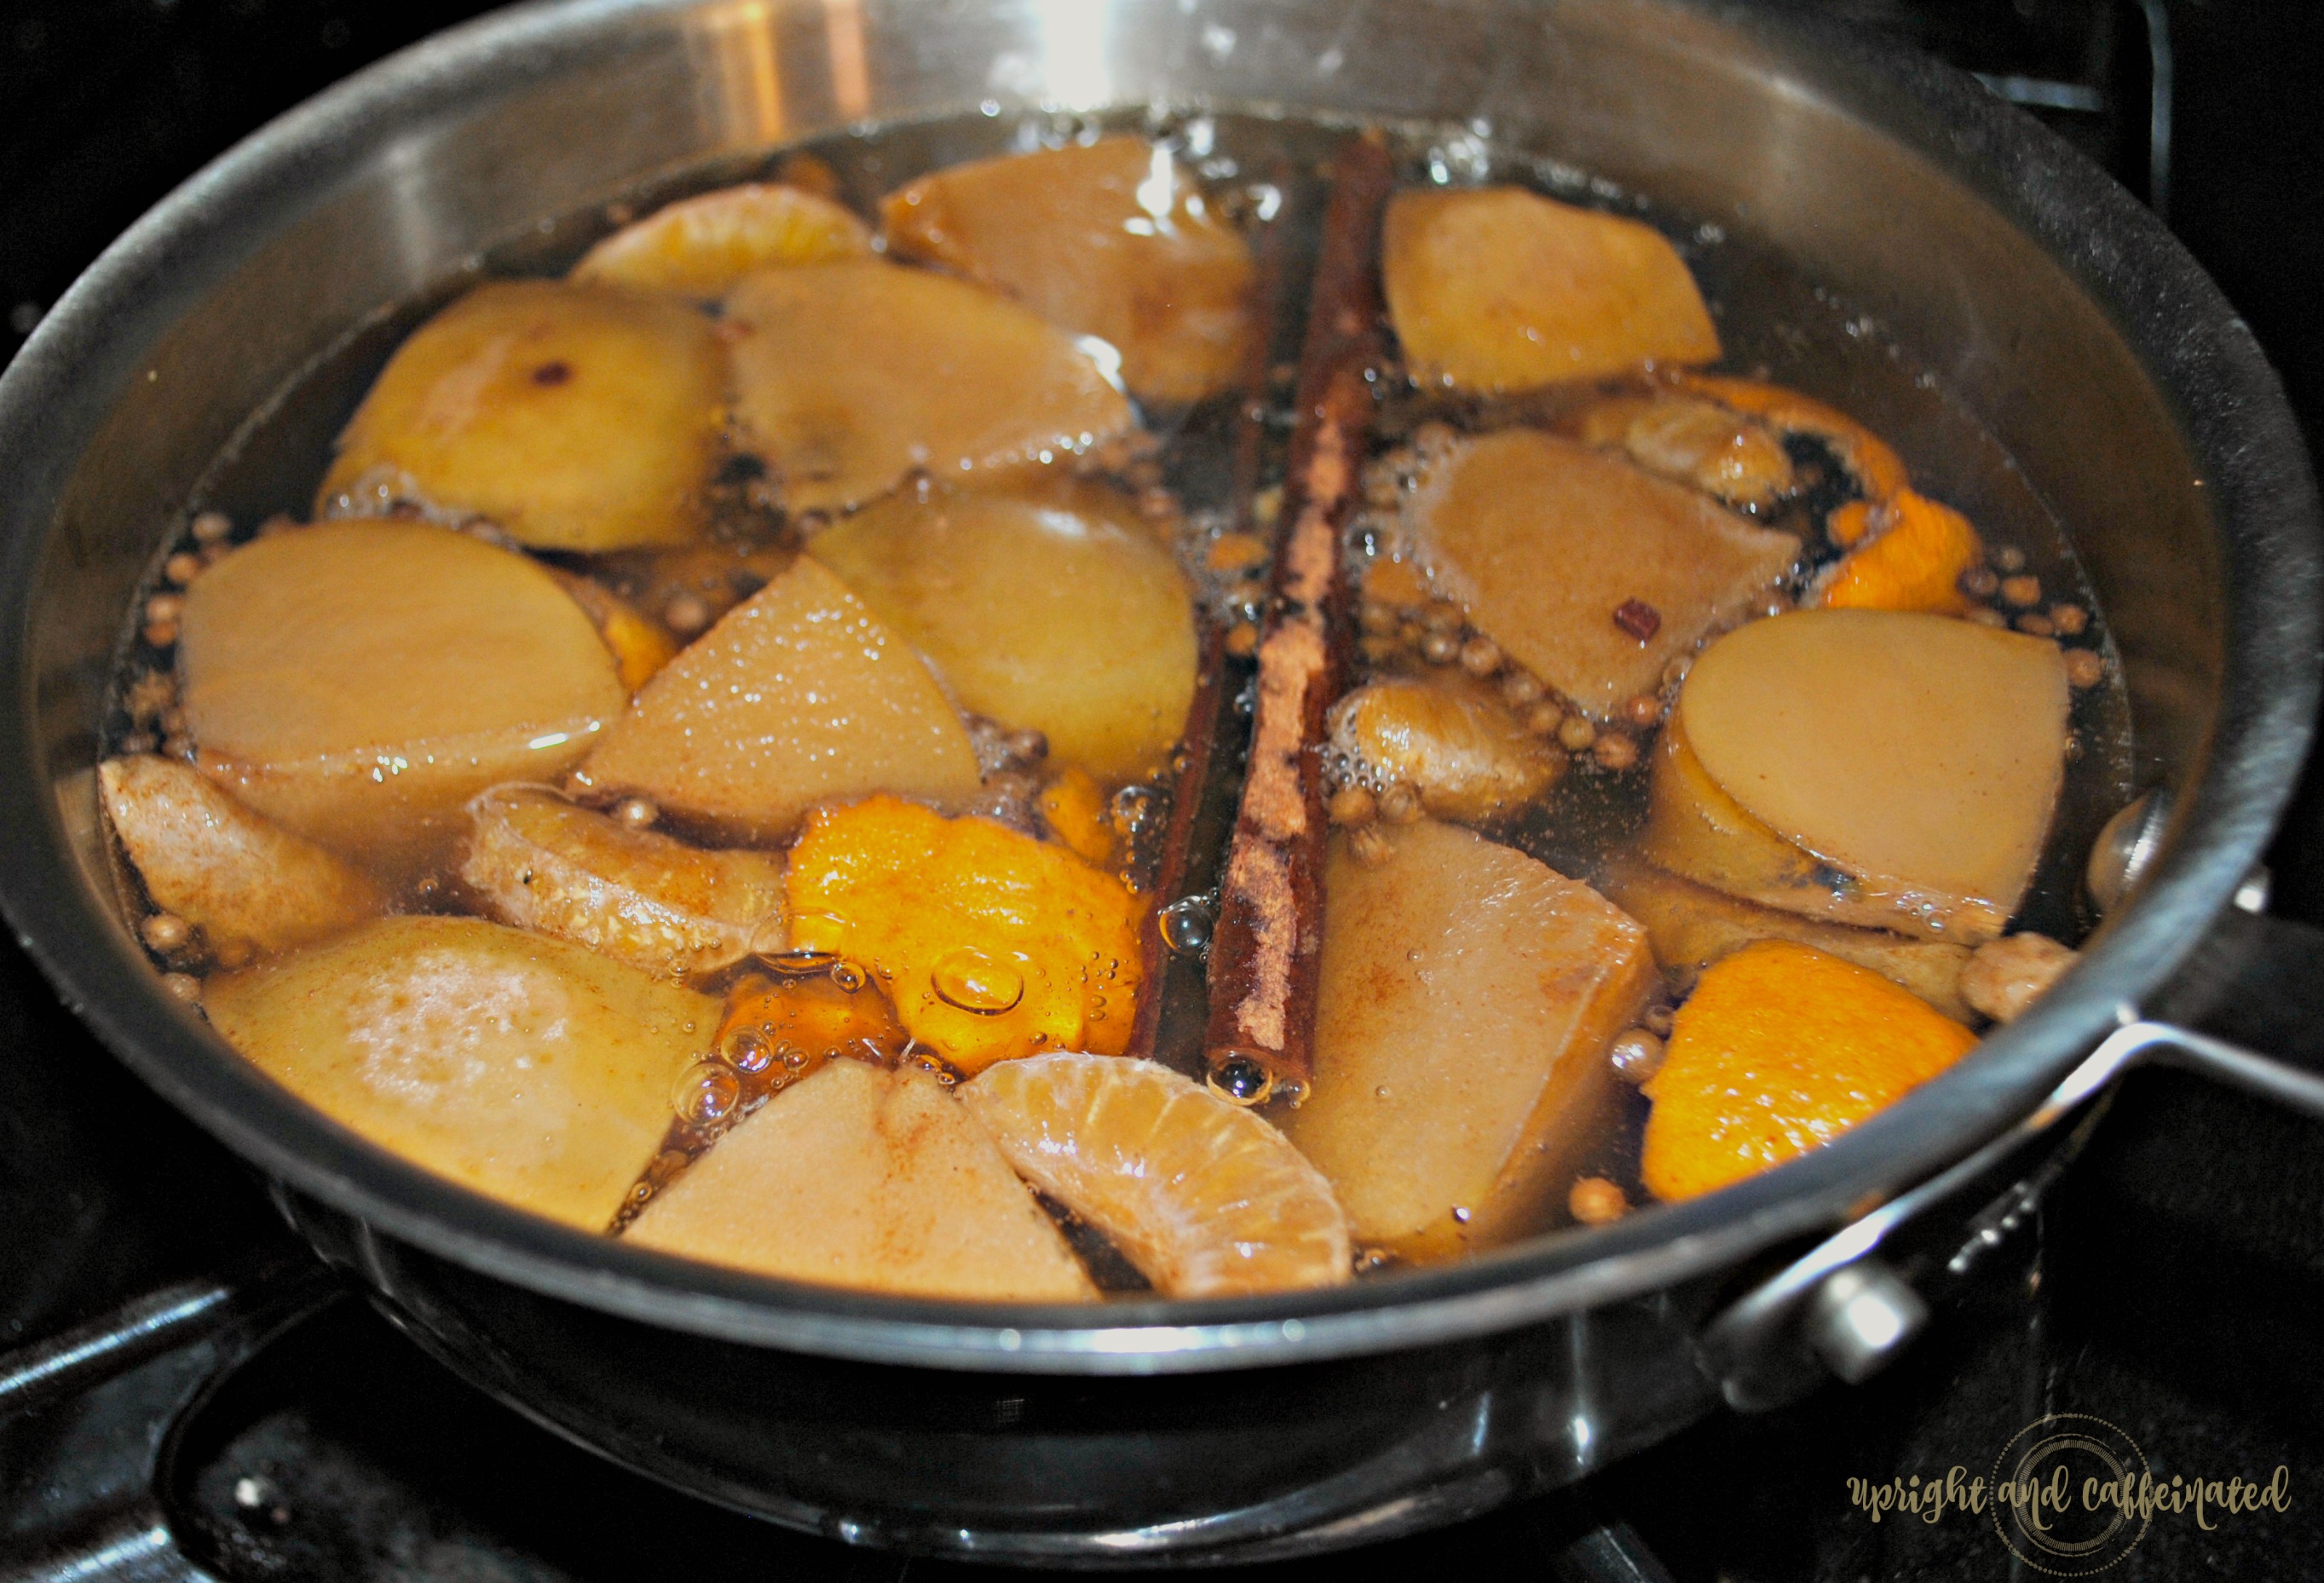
[[851, 73], [738, 42]]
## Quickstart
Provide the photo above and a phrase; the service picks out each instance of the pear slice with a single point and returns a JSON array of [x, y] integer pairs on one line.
[[1873, 767], [249, 884], [1109, 239], [876, 1180], [798, 696], [1499, 288], [580, 418], [541, 863], [1052, 608], [1469, 995], [1544, 541], [849, 376], [1691, 926], [359, 682], [523, 1067]]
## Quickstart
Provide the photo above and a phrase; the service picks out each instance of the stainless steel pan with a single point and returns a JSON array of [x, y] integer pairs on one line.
[[2133, 399]]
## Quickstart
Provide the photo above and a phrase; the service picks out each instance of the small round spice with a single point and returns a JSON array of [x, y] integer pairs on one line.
[[166, 932], [1375, 618], [685, 614], [1400, 804], [183, 987], [2021, 591], [213, 527], [2084, 669], [161, 634], [2009, 558], [1980, 583], [1410, 634], [1615, 751], [235, 953], [1234, 552], [636, 813], [1481, 656], [1643, 710], [2071, 620], [1596, 1201], [1156, 504], [1443, 616], [165, 607], [173, 721], [1657, 1020], [1376, 649], [1242, 640], [1352, 805], [1440, 647], [1371, 846], [1543, 719], [1519, 690], [1577, 734], [135, 743], [1636, 1054], [182, 567], [180, 747], [1985, 615], [2036, 626]]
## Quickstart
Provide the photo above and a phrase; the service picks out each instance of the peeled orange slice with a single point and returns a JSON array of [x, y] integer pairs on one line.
[[702, 246], [1206, 1199]]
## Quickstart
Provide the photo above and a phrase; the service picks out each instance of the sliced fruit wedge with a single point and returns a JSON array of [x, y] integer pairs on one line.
[[541, 863], [1204, 1197], [850, 376], [870, 1179], [702, 246]]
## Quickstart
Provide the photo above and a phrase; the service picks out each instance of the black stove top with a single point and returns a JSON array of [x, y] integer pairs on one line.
[[2170, 1286]]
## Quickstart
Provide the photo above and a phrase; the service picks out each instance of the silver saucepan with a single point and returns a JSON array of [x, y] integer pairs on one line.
[[2053, 305]]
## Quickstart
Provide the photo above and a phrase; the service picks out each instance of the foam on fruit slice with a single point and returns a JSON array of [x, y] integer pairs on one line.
[[575, 417], [246, 883], [542, 863], [1544, 541], [526, 1068], [701, 246], [1109, 239], [1469, 995], [1467, 753], [1915, 757], [798, 696], [359, 682], [1204, 1197], [875, 1180], [850, 376], [1051, 608], [1497, 288]]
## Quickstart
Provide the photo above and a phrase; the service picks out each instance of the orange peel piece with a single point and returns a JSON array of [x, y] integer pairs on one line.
[[1915, 561], [1878, 469], [1780, 1049], [990, 944], [1074, 807]]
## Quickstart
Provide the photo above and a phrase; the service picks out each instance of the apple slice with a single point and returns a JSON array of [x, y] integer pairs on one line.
[[359, 682], [249, 884], [1052, 607], [798, 696], [876, 1180], [1500, 289], [849, 376], [1109, 239], [523, 1067], [1469, 995], [581, 418]]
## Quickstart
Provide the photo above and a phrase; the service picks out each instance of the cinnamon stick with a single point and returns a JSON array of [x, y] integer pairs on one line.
[[1265, 948]]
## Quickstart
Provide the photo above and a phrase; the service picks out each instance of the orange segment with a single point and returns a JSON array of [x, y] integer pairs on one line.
[[703, 246], [1780, 1049], [1206, 1199], [1915, 562], [990, 944]]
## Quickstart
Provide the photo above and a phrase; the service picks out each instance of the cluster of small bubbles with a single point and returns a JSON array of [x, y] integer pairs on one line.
[[848, 976], [1291, 1093], [1241, 1081], [973, 981], [1463, 160], [1187, 926], [1132, 807], [706, 1092]]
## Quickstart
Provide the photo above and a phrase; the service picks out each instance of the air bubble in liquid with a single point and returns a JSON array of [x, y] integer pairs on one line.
[[706, 1092], [974, 980], [1187, 926], [748, 1050], [848, 976]]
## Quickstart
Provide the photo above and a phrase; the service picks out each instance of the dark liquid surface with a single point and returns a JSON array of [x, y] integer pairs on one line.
[[1268, 173]]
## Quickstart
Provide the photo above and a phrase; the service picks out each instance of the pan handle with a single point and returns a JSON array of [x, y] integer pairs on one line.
[[1848, 1305]]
